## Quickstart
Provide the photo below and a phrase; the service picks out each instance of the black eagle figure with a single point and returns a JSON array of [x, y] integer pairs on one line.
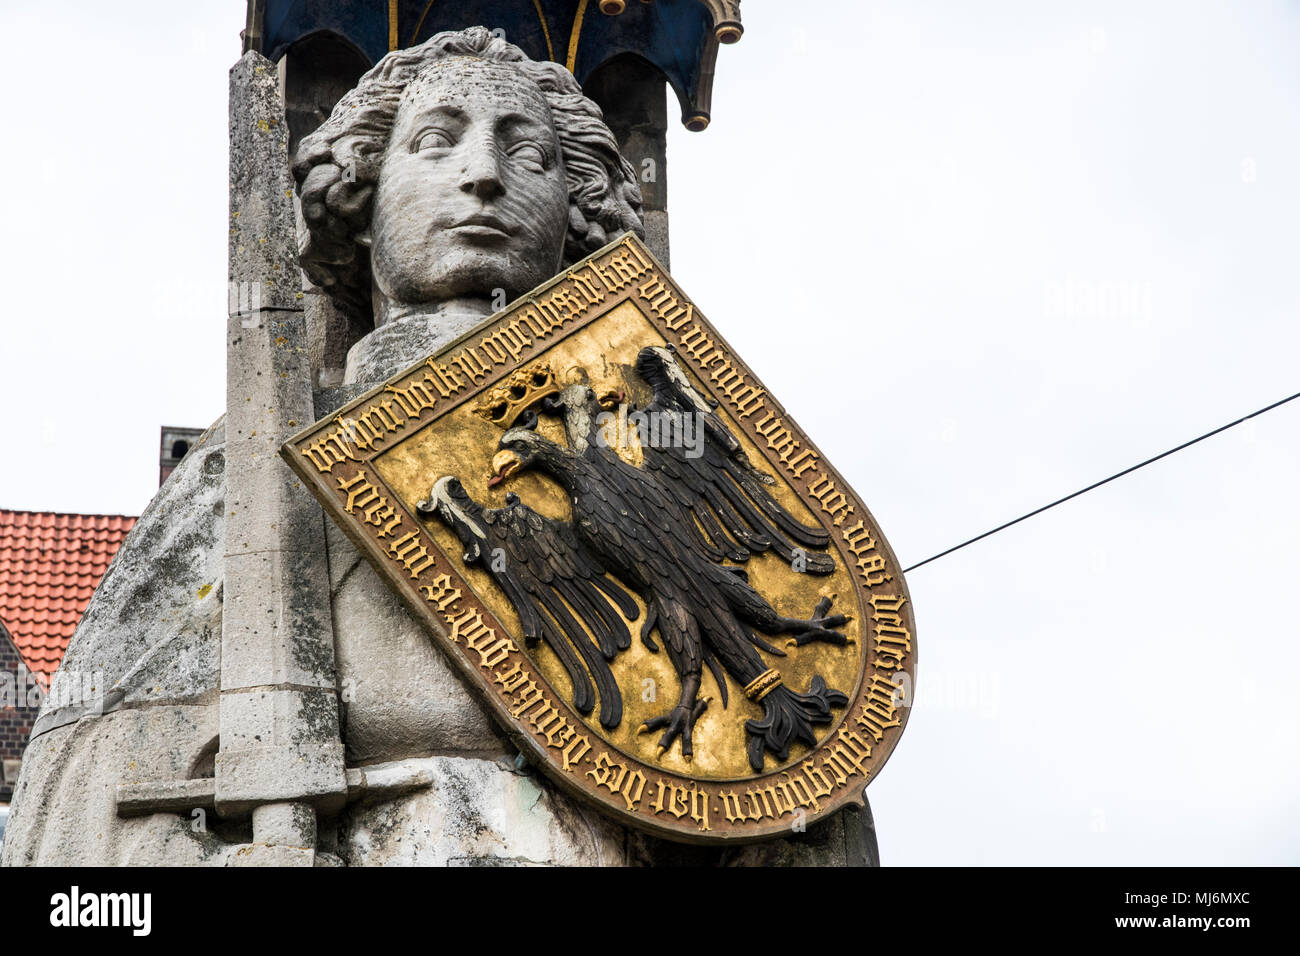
[[640, 526]]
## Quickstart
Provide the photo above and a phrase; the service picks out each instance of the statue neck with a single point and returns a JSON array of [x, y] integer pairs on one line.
[[406, 334]]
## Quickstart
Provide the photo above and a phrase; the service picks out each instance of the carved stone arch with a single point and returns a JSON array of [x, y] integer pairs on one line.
[[315, 72]]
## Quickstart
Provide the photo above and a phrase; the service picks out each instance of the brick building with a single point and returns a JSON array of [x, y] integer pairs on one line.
[[19, 701]]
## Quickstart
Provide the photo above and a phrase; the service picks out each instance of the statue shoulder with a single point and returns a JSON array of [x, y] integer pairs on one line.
[[152, 630]]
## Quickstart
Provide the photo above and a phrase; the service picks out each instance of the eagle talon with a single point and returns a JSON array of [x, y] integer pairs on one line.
[[819, 626], [818, 634], [678, 724]]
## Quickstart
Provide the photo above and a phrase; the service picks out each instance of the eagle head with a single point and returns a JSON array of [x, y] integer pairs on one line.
[[449, 500], [517, 450]]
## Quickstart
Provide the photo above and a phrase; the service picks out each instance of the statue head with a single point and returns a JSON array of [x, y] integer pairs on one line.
[[454, 169]]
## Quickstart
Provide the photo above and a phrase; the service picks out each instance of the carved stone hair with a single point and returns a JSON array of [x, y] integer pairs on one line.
[[604, 198]]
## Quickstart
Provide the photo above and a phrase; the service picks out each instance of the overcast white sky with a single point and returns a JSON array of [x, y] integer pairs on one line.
[[985, 254]]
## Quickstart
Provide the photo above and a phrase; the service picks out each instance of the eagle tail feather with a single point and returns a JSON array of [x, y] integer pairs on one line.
[[789, 717]]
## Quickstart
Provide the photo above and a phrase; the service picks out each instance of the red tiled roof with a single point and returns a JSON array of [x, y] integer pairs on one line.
[[50, 564]]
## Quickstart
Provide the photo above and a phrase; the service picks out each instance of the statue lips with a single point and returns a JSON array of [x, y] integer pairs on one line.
[[485, 227]]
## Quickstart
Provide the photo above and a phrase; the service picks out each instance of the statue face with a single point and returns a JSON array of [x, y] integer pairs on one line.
[[471, 194]]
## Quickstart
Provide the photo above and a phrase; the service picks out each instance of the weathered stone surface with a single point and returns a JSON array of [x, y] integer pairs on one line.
[[286, 824], [65, 813], [279, 645], [262, 275], [279, 745], [400, 695], [328, 335], [479, 813], [136, 799], [401, 343], [656, 234], [153, 629], [262, 854], [153, 626], [268, 386], [279, 733]]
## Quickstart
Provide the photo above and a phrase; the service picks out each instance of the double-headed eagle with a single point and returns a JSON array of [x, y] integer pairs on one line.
[[667, 531]]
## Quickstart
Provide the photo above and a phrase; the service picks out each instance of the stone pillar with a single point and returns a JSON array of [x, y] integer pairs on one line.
[[281, 755]]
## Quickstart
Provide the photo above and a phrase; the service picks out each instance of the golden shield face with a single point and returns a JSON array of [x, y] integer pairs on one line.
[[656, 583]]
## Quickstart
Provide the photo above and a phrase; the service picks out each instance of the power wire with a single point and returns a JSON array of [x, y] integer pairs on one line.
[[1098, 484]]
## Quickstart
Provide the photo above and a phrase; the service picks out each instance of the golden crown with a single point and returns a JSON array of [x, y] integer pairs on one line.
[[527, 386]]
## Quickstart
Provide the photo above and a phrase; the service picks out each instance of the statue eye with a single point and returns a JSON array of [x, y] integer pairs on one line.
[[433, 139], [530, 154]]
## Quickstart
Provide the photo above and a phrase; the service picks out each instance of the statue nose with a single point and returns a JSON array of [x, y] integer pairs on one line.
[[482, 173]]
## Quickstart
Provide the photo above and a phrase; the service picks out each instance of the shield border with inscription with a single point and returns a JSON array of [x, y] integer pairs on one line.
[[666, 803]]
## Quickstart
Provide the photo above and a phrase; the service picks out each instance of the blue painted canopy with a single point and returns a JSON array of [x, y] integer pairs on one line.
[[680, 37]]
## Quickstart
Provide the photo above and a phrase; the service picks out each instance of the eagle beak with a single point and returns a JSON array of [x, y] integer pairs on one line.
[[504, 463], [612, 399]]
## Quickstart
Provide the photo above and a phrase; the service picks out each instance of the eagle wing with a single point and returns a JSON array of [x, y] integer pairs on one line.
[[559, 590], [713, 477]]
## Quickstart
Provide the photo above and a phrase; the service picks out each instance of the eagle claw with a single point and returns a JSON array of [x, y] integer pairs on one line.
[[680, 721], [818, 627]]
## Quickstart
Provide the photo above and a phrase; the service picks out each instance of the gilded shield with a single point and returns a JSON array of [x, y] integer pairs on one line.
[[666, 595]]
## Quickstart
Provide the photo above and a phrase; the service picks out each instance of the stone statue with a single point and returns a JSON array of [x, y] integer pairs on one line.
[[456, 176]]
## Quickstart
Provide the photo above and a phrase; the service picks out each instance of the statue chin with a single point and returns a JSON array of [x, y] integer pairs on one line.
[[426, 298]]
